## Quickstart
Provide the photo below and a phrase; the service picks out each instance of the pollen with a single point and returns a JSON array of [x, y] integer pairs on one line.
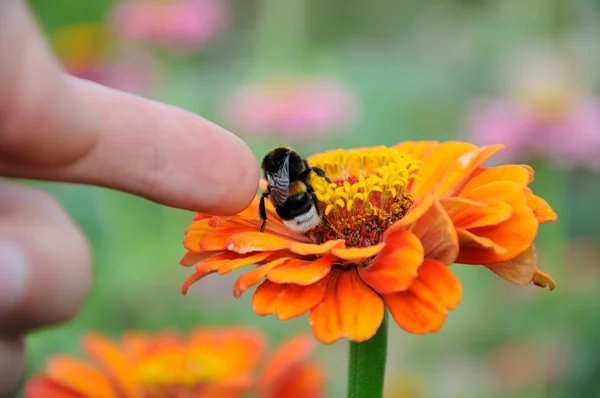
[[368, 192]]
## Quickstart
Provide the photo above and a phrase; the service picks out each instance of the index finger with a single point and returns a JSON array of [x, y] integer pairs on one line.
[[157, 151]]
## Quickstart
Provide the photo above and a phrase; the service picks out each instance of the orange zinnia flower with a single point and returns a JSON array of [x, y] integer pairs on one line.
[[207, 363], [406, 212]]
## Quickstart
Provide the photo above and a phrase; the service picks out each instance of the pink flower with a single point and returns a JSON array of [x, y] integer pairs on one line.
[[545, 112], [83, 52], [131, 75], [178, 25], [295, 108], [571, 140]]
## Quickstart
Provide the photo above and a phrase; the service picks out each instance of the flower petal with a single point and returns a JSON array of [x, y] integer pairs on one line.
[[487, 212], [521, 269], [192, 258], [223, 263], [395, 268], [436, 164], [542, 210], [80, 377], [253, 277], [417, 149], [429, 222], [542, 280], [44, 387], [288, 355], [423, 308], [287, 300], [308, 249], [217, 241], [460, 170], [349, 309], [231, 265], [515, 234], [246, 242], [357, 253], [515, 173], [112, 360], [416, 211], [302, 272], [306, 380], [437, 234], [467, 239]]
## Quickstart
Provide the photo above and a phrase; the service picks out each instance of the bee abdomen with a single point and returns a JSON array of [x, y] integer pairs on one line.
[[294, 206]]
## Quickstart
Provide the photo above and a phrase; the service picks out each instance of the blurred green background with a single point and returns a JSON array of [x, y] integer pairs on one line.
[[414, 68]]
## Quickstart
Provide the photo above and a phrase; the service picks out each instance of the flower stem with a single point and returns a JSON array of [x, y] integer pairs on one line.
[[366, 370]]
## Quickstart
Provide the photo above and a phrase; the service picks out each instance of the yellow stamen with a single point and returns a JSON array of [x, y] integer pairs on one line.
[[358, 173]]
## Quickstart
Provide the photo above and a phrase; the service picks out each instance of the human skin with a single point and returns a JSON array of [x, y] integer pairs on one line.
[[58, 128]]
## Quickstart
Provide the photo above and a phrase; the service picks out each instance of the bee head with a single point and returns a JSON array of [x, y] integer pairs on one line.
[[274, 160]]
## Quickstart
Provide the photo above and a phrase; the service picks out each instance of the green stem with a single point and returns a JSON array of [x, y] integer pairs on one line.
[[366, 370]]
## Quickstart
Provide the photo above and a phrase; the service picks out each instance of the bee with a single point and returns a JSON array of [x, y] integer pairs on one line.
[[288, 188]]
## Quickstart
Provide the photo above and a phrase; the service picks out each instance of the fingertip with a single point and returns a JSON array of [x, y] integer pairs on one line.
[[240, 180]]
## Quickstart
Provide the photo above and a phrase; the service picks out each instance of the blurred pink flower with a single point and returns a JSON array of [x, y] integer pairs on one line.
[[83, 51], [573, 140], [545, 112], [295, 108], [129, 75], [178, 25]]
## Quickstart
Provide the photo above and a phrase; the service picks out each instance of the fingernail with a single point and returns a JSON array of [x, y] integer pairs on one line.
[[14, 276]]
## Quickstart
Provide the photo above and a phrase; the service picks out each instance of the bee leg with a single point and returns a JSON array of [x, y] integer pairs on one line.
[[321, 173], [317, 205], [263, 211]]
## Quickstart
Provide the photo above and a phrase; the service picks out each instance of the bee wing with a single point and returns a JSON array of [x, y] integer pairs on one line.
[[280, 182]]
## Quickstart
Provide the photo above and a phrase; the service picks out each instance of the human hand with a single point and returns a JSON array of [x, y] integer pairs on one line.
[[56, 127]]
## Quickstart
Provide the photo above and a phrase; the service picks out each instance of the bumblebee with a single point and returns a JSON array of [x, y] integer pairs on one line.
[[288, 188]]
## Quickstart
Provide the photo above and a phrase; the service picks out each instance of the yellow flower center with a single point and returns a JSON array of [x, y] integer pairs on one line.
[[367, 195], [176, 373]]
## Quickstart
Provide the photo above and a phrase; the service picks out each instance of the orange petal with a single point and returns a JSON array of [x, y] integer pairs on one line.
[[43, 387], [112, 360], [357, 253], [234, 351], [305, 380], [80, 377], [349, 309], [417, 149], [302, 272], [215, 263], [460, 170], [515, 173], [466, 239], [289, 354], [217, 241], [542, 210], [309, 249], [423, 308], [520, 270], [416, 211], [202, 270], [246, 242], [287, 300], [396, 266], [253, 277], [455, 205], [493, 212], [435, 165], [437, 234], [542, 280], [192, 258], [515, 234], [231, 265]]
